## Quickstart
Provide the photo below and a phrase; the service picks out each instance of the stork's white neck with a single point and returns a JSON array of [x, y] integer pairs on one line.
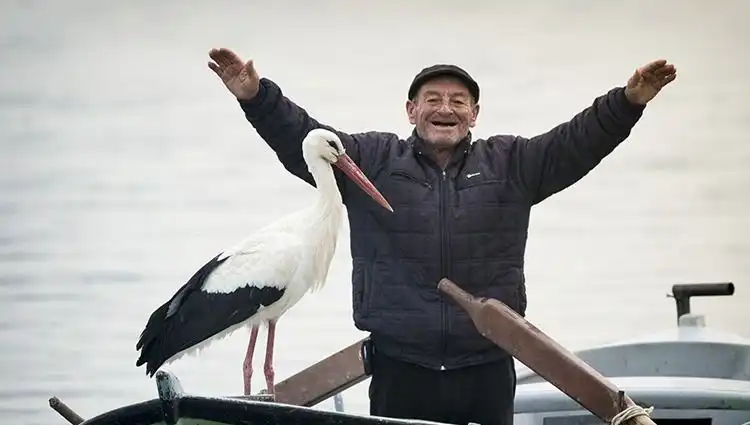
[[326, 215], [329, 196]]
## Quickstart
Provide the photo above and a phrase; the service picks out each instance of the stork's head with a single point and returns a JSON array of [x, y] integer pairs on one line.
[[324, 144]]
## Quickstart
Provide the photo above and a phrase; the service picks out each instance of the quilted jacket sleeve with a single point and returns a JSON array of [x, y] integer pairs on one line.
[[552, 161], [283, 125]]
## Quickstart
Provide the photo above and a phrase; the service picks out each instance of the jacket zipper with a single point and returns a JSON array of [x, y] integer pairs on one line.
[[444, 269]]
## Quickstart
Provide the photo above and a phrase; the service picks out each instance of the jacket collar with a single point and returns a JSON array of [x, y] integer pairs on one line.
[[420, 148]]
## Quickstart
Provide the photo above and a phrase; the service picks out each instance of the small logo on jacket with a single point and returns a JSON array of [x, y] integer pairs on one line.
[[468, 176]]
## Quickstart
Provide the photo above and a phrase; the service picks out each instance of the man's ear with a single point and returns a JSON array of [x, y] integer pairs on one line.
[[411, 111], [475, 114]]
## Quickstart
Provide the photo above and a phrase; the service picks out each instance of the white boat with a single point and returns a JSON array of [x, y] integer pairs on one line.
[[691, 374]]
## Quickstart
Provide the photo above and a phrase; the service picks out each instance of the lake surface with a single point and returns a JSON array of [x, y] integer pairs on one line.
[[126, 164]]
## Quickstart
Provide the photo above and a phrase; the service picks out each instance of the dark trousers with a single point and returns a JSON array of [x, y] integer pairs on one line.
[[481, 394]]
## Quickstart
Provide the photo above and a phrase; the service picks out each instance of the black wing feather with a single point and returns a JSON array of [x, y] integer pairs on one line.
[[192, 316]]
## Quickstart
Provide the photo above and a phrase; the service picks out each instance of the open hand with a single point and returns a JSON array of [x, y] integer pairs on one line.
[[648, 80], [240, 77]]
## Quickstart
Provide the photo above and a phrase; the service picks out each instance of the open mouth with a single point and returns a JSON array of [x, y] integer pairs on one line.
[[444, 124]]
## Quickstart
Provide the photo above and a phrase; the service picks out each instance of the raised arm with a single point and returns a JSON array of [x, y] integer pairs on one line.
[[550, 162], [282, 124], [279, 122]]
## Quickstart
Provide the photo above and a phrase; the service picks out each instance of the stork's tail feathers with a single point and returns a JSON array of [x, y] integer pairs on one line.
[[151, 341], [155, 343], [202, 318], [193, 317]]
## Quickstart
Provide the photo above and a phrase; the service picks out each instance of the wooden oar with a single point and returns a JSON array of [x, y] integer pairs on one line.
[[563, 369], [324, 379], [65, 411]]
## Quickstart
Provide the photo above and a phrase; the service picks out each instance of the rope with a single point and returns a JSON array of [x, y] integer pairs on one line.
[[630, 413]]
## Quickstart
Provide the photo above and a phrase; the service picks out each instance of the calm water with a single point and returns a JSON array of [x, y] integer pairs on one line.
[[125, 164]]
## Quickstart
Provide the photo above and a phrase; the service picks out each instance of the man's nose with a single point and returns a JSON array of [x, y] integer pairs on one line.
[[445, 108]]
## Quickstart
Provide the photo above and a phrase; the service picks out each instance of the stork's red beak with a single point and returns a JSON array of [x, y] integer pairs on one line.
[[345, 164]]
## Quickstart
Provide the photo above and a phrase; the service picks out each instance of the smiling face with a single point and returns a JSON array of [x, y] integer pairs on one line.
[[443, 111]]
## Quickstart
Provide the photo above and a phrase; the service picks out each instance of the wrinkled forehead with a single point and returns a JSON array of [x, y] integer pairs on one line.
[[445, 86]]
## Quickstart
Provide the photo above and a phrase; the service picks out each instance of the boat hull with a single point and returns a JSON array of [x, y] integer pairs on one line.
[[174, 407]]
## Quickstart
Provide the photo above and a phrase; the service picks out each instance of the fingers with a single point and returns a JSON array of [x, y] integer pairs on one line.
[[215, 68], [658, 82], [668, 79], [657, 73], [224, 57], [220, 56], [663, 71], [653, 66], [250, 67], [635, 78], [216, 64], [663, 75], [657, 70]]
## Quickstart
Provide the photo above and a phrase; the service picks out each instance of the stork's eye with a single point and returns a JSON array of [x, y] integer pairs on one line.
[[335, 147]]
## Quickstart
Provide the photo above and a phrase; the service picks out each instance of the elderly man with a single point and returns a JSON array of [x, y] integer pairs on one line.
[[461, 211]]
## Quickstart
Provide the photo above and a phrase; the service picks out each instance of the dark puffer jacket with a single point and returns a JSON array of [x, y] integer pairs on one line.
[[468, 223]]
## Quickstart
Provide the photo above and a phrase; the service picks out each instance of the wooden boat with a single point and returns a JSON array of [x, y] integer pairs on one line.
[[691, 375], [175, 407]]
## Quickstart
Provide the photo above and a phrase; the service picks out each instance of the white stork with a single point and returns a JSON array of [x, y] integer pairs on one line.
[[259, 279]]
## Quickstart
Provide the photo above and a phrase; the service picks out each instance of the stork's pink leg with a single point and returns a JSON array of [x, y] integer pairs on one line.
[[268, 366], [247, 366]]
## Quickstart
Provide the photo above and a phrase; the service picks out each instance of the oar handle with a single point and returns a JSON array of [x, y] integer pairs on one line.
[[463, 298], [563, 369], [65, 411]]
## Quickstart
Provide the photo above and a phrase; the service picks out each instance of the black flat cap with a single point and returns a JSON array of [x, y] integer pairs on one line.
[[443, 70]]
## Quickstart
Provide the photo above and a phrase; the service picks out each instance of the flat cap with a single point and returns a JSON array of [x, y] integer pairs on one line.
[[440, 70]]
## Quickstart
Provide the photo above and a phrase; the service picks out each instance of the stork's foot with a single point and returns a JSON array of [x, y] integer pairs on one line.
[[261, 396]]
